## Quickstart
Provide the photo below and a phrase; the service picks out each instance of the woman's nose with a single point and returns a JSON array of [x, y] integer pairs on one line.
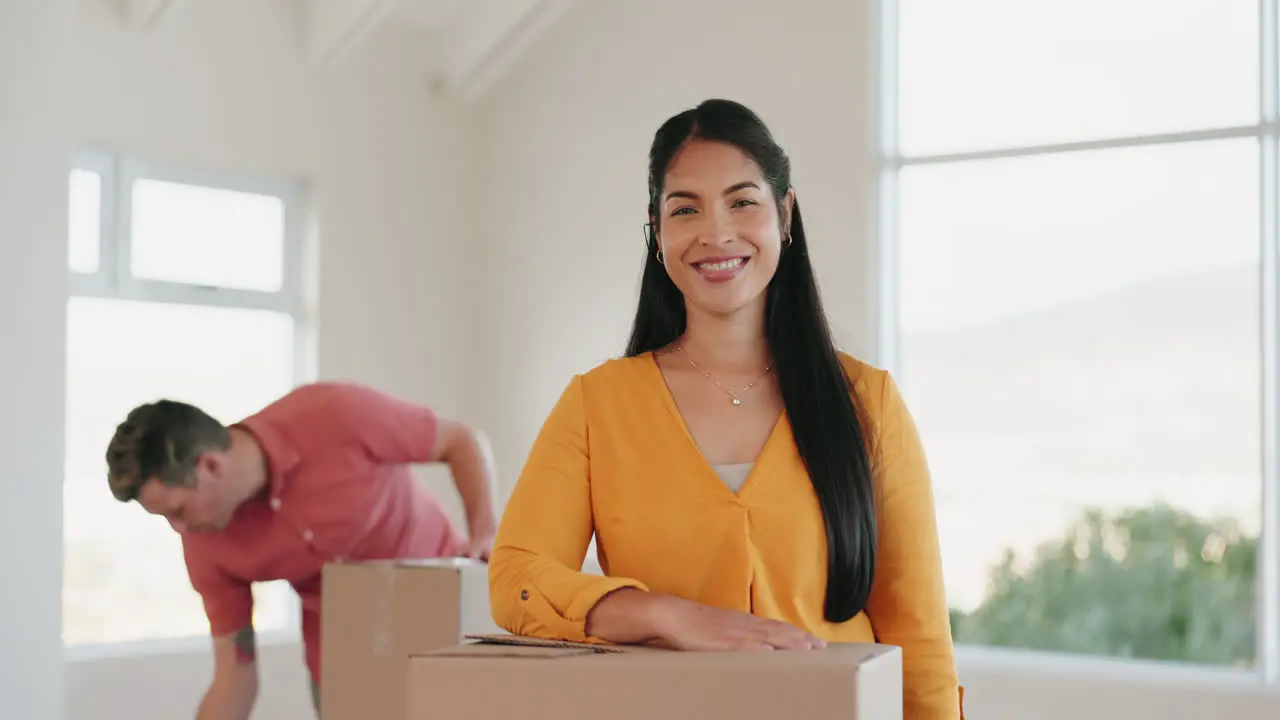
[[718, 229]]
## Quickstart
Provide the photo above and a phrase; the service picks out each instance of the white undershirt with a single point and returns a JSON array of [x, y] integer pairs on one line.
[[733, 475]]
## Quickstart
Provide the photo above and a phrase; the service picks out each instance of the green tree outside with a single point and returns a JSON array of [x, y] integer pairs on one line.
[[1155, 583]]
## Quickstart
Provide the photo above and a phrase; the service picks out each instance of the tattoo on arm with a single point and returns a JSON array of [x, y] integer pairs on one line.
[[246, 645]]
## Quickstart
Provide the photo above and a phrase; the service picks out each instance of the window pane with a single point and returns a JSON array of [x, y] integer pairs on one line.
[[1006, 73], [84, 221], [124, 576], [207, 236], [1081, 332]]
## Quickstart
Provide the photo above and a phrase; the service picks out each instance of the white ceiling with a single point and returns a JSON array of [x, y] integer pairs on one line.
[[475, 40]]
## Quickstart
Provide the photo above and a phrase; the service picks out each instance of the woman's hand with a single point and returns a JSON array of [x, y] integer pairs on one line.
[[686, 625], [634, 616]]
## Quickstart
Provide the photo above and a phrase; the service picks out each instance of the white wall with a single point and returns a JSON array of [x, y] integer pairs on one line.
[[563, 163], [36, 43], [221, 85], [562, 178]]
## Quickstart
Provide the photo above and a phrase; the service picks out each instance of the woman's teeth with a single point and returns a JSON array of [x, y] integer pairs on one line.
[[723, 264]]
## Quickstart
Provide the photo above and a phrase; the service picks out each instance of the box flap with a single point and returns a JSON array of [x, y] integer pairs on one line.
[[385, 564], [438, 562], [526, 641], [511, 650]]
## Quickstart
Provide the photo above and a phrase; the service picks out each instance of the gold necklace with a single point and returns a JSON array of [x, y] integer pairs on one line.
[[737, 396]]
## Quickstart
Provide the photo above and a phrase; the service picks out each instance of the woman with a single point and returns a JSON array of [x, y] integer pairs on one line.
[[749, 486]]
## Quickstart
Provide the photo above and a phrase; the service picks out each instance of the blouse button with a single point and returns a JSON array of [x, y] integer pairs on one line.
[[524, 594]]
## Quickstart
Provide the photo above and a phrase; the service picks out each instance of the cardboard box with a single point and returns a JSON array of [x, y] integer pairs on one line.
[[498, 677], [374, 615]]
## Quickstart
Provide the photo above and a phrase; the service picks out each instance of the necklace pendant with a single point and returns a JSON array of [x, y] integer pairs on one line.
[[737, 401]]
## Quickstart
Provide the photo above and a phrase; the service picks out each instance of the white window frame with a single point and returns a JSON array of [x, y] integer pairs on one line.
[[884, 277], [114, 280]]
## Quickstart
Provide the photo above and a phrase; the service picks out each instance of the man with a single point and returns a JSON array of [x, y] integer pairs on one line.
[[321, 475]]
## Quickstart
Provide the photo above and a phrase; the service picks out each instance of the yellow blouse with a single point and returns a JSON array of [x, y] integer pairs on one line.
[[615, 458]]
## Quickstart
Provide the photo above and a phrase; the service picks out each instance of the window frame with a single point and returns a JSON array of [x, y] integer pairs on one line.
[[114, 279], [884, 279]]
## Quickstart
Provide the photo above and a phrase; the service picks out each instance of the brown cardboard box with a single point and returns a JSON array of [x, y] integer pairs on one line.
[[501, 677], [374, 615]]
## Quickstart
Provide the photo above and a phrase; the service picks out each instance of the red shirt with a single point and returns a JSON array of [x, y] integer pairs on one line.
[[339, 488]]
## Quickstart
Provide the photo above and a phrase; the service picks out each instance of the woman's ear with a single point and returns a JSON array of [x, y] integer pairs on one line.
[[787, 206]]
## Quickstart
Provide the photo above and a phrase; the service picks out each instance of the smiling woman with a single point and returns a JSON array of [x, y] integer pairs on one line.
[[749, 486]]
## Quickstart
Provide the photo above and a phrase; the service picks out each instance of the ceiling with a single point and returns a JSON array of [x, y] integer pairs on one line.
[[476, 40]]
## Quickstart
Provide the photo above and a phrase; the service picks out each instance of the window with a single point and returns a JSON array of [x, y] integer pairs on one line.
[[184, 286], [1078, 269]]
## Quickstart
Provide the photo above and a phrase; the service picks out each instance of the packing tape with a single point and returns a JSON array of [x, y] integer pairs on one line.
[[384, 613]]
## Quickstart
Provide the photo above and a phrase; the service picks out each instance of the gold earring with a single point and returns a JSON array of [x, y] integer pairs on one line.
[[662, 260]]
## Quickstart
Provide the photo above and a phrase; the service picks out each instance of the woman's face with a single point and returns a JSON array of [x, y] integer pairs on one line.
[[719, 228]]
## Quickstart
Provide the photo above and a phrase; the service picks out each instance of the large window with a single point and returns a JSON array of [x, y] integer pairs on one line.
[[186, 286], [1078, 252]]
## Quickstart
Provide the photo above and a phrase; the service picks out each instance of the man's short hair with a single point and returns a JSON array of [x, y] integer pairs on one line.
[[161, 440]]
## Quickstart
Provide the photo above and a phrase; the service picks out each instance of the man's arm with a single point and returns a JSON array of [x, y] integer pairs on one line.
[[228, 602], [397, 431], [234, 689], [466, 451]]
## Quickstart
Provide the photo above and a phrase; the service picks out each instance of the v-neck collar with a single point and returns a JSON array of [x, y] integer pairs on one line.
[[708, 470]]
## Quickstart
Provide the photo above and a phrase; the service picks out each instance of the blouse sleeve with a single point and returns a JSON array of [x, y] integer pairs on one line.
[[908, 606], [536, 586]]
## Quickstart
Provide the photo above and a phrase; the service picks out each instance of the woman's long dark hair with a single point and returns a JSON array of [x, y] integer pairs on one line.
[[816, 392]]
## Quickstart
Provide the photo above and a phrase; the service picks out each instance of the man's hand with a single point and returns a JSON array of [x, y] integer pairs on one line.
[[478, 548], [234, 689]]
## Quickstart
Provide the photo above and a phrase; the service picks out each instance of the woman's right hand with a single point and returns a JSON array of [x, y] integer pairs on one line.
[[633, 616], [686, 625]]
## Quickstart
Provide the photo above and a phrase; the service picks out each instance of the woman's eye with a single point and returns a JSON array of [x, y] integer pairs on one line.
[[681, 211], [742, 202]]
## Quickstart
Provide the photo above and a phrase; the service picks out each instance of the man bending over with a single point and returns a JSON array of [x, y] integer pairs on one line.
[[321, 475]]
